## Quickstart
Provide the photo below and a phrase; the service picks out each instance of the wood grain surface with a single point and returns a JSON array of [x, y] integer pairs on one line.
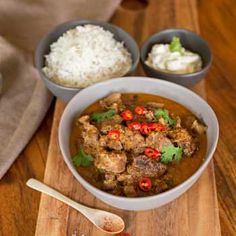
[[182, 216], [19, 204], [218, 27]]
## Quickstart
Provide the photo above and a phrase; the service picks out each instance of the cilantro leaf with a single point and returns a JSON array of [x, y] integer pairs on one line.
[[82, 159], [101, 116], [171, 153], [175, 45], [165, 115]]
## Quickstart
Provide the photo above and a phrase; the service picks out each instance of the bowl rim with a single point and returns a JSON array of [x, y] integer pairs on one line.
[[177, 188], [171, 75], [38, 54]]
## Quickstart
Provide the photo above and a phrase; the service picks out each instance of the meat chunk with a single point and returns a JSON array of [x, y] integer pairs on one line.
[[157, 140], [105, 141], [188, 121], [114, 144], [110, 161], [109, 124], [161, 121], [132, 141], [145, 166], [130, 191], [198, 127], [182, 138], [84, 120], [149, 115], [178, 122], [89, 135], [110, 181], [141, 166], [193, 124], [159, 186], [113, 101], [154, 105], [126, 178]]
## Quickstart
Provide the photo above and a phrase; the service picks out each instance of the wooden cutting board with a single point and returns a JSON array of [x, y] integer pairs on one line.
[[194, 213]]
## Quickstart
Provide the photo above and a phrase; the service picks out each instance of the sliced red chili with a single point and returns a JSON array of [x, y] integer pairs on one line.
[[145, 184], [152, 153], [157, 127], [127, 115], [114, 134], [134, 125], [140, 110], [145, 129]]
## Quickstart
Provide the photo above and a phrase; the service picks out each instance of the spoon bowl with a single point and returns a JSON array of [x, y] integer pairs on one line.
[[105, 221], [108, 222]]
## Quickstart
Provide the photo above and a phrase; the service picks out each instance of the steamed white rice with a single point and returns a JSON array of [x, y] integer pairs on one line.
[[85, 55]]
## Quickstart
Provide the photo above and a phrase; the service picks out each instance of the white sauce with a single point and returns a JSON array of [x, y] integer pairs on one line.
[[161, 58]]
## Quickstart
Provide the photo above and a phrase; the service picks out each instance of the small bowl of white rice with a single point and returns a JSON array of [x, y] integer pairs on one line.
[[77, 54]]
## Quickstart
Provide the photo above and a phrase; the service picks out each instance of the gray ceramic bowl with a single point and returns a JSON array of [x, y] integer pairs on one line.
[[142, 85], [190, 41], [66, 93]]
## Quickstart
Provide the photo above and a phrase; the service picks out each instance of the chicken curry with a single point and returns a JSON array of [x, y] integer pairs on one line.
[[137, 145]]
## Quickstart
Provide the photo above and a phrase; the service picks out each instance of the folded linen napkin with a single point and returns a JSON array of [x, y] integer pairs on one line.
[[24, 100]]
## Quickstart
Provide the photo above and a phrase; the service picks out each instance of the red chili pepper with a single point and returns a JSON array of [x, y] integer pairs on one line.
[[145, 184], [152, 153], [145, 129], [140, 110], [114, 134], [127, 115], [157, 127], [134, 125]]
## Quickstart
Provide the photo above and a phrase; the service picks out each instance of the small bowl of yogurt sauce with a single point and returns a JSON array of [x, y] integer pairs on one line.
[[177, 55]]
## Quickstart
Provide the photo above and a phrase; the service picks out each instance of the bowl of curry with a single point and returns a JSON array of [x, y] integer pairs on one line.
[[137, 143]]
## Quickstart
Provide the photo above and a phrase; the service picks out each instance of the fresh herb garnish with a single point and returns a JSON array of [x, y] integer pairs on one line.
[[171, 153], [175, 45], [82, 159], [101, 116], [165, 115]]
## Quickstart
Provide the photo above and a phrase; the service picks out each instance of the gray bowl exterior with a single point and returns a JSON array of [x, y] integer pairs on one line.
[[63, 93], [66, 93], [190, 41], [138, 85]]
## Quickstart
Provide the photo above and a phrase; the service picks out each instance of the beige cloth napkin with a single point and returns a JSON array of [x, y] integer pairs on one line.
[[24, 100]]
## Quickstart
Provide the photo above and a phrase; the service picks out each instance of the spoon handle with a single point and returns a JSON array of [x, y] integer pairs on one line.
[[41, 187]]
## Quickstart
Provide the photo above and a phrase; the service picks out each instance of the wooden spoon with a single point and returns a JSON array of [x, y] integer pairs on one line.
[[103, 220]]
